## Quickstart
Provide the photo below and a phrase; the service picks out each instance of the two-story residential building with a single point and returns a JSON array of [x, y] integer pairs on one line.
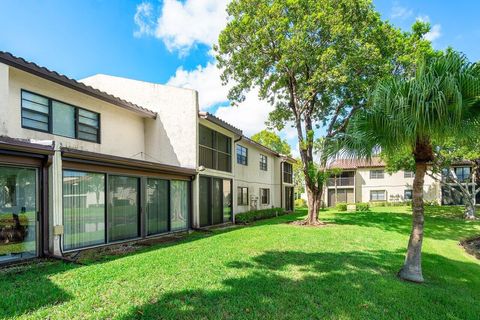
[[109, 160], [367, 181]]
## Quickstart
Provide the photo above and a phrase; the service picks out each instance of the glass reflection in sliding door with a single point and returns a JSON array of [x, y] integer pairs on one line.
[[83, 209], [123, 213], [179, 204], [18, 213], [157, 206]]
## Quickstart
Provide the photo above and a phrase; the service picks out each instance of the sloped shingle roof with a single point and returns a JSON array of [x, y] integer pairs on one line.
[[33, 68]]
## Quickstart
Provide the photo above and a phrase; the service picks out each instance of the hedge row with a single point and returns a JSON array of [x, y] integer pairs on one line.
[[362, 206], [250, 216]]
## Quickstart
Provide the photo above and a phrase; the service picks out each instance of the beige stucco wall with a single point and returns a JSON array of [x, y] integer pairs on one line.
[[122, 131], [394, 184], [171, 138], [254, 179]]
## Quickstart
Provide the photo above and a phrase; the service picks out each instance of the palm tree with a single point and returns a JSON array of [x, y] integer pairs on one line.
[[439, 101]]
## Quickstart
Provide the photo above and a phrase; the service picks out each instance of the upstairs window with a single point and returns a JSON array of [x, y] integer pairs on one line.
[[377, 174], [48, 115], [215, 150], [409, 174], [242, 155], [263, 162], [287, 172]]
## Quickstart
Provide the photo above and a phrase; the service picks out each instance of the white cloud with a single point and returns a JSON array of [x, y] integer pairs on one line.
[[144, 19], [182, 24], [206, 80], [400, 12], [423, 18], [435, 31], [249, 116]]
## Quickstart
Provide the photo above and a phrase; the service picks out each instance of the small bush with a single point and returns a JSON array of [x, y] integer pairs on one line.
[[378, 203], [432, 203], [251, 216], [341, 206], [362, 206], [300, 203]]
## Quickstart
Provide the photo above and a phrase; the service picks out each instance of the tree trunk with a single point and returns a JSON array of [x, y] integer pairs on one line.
[[412, 268], [314, 199], [469, 213]]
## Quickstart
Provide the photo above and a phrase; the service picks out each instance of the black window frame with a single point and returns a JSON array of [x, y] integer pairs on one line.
[[462, 177], [262, 196], [409, 174], [377, 174], [50, 117], [215, 150], [241, 158], [263, 162], [242, 202], [287, 172], [405, 194]]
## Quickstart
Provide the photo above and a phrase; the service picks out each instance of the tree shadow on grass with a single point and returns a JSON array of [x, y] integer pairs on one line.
[[350, 285], [439, 228], [27, 288]]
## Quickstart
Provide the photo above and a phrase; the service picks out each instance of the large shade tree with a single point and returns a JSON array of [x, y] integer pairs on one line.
[[315, 61], [406, 115], [273, 141]]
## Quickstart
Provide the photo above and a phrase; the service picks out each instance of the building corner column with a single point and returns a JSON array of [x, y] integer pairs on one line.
[[56, 202]]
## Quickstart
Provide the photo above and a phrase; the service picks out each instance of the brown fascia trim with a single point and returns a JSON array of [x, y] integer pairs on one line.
[[18, 145], [210, 117], [42, 72], [79, 155]]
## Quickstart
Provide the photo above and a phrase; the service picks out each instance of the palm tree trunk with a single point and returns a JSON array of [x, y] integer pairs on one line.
[[412, 268]]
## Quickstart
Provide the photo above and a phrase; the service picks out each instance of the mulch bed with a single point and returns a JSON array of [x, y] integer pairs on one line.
[[472, 246], [303, 223]]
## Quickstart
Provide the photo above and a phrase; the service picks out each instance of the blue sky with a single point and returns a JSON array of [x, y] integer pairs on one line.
[[169, 41]]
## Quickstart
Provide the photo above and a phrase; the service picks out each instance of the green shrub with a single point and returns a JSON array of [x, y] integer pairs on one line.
[[432, 203], [378, 203], [300, 203], [362, 206], [341, 206], [250, 216]]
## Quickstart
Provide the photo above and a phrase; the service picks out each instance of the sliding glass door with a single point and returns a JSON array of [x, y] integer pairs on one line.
[[179, 204], [215, 201], [124, 209], [18, 213], [83, 209], [101, 208], [205, 201], [157, 206]]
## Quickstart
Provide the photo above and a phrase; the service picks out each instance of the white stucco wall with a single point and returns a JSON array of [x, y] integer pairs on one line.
[[171, 138], [394, 184], [122, 131]]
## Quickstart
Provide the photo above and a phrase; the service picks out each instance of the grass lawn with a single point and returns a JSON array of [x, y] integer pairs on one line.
[[270, 270]]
